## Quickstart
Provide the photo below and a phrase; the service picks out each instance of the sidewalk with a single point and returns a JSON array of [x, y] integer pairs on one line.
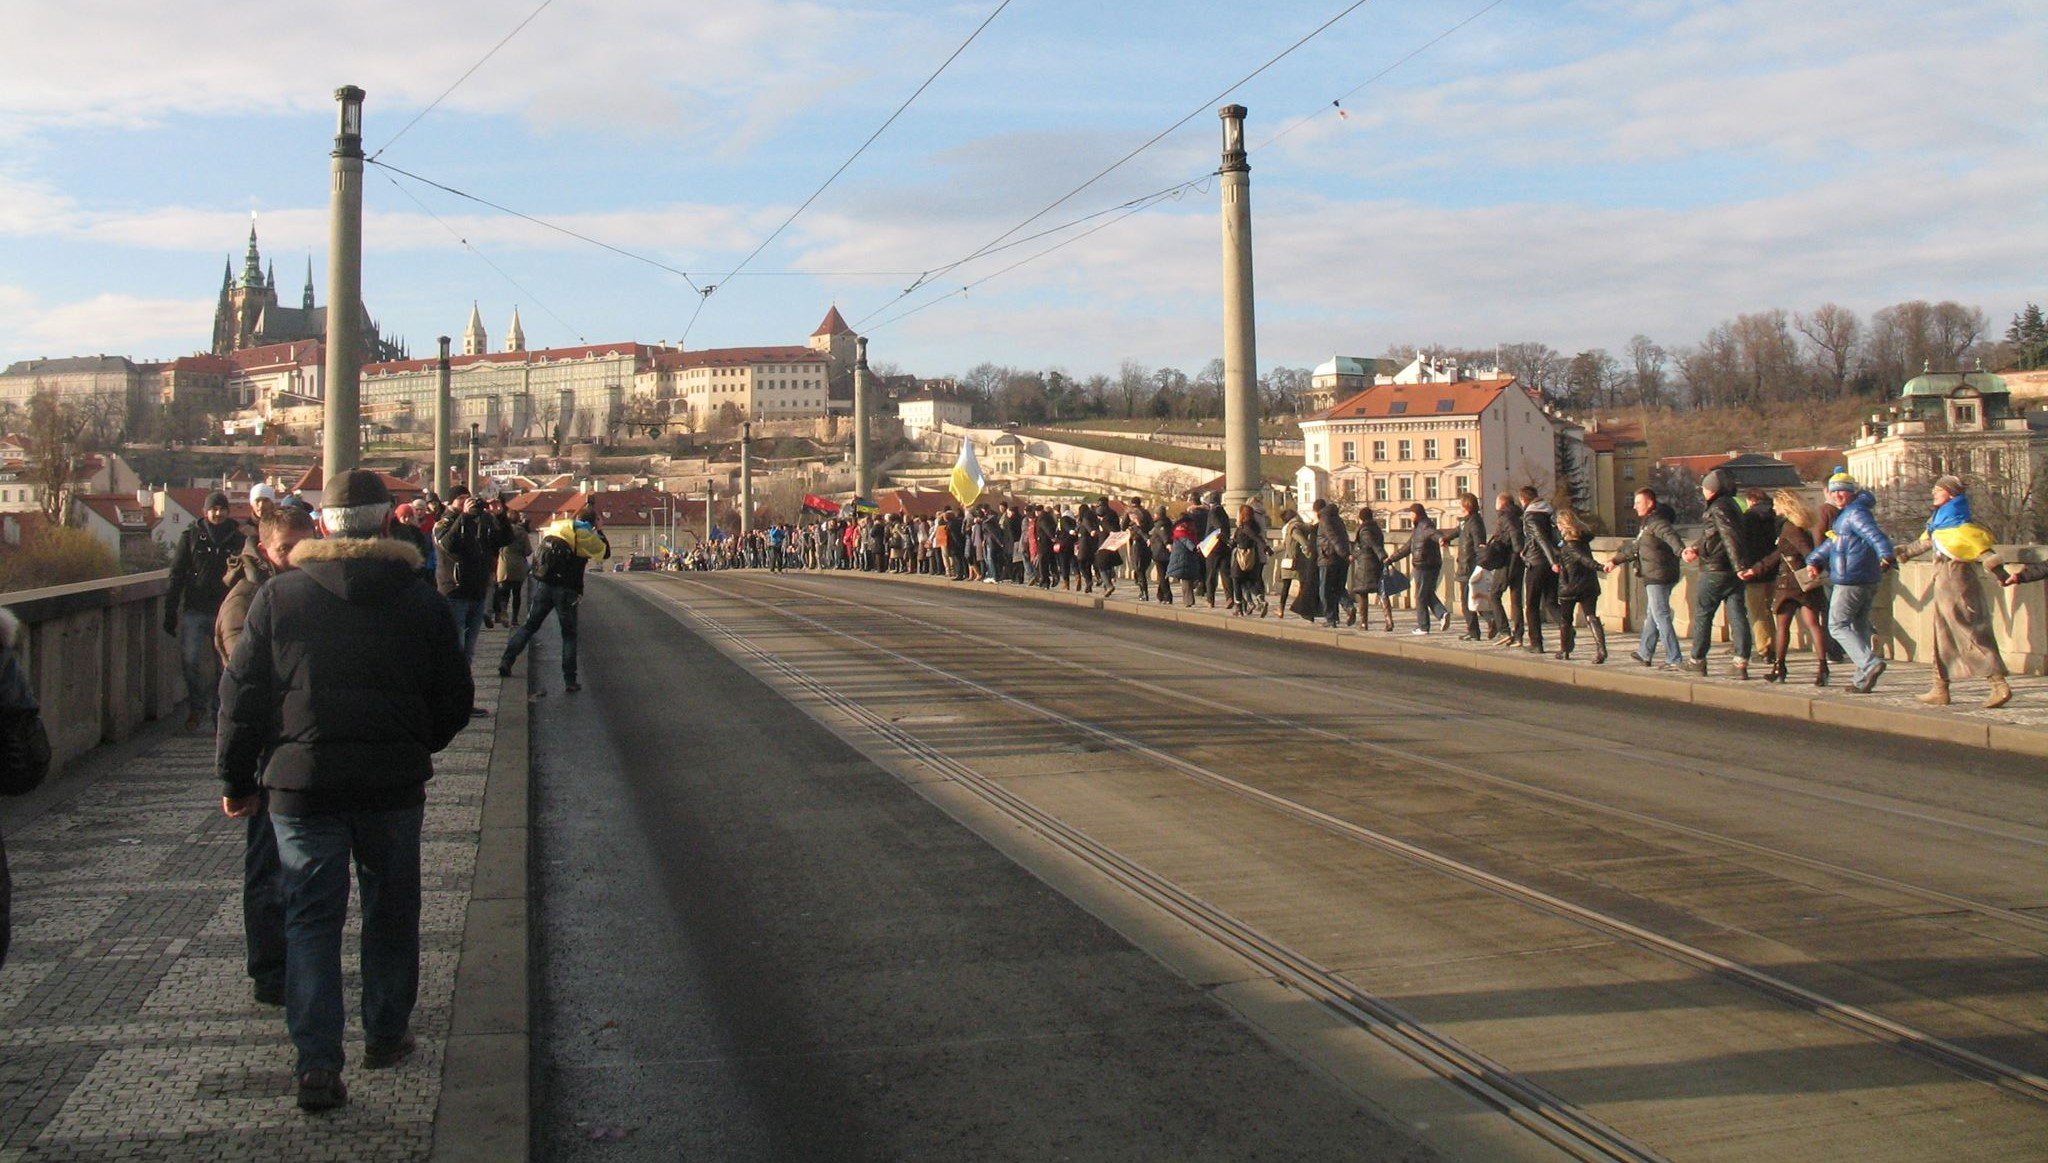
[[127, 1030], [2020, 727]]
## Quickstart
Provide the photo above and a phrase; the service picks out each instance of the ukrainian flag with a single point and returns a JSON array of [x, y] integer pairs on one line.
[[967, 481], [1954, 532]]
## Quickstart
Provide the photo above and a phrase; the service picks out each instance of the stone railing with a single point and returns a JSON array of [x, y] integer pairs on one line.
[[1901, 617], [98, 659]]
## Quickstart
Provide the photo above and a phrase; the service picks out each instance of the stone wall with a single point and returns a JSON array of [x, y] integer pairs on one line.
[[98, 658]]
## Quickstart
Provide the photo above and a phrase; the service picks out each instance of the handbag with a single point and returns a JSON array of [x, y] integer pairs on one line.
[[1481, 583], [1393, 581], [1809, 579]]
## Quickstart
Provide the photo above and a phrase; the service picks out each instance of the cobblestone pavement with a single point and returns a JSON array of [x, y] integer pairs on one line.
[[127, 1029]]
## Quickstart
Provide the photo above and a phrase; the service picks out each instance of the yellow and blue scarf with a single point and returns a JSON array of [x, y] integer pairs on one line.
[[1955, 534]]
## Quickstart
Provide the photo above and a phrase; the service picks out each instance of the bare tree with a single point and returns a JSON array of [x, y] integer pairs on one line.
[[55, 426], [1832, 331], [1646, 374], [1537, 365], [1133, 384]]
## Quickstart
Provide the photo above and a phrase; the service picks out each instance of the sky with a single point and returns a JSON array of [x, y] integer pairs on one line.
[[1528, 170]]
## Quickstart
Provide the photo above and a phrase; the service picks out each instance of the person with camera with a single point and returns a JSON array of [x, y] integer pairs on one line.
[[468, 539], [200, 566]]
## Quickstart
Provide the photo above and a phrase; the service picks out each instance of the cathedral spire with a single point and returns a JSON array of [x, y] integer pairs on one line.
[[515, 337], [252, 262], [474, 339], [309, 283]]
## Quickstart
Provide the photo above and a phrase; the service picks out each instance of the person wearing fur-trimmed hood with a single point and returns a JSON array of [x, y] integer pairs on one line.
[[349, 672]]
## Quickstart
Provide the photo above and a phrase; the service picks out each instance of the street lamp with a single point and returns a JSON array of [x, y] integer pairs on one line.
[[343, 411]]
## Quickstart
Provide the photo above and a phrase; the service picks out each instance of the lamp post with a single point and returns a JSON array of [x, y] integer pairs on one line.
[[443, 459], [746, 481], [1240, 346], [343, 413], [470, 480], [863, 468], [710, 496]]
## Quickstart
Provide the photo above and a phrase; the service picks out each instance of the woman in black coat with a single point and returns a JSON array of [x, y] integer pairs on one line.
[[1368, 567], [1247, 565], [1578, 586]]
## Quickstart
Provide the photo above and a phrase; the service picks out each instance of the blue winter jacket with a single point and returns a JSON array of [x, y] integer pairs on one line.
[[1185, 562], [1855, 547]]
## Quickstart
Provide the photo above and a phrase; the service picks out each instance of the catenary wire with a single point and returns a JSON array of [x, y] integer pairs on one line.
[[891, 120], [1154, 140], [621, 252], [459, 80], [1411, 55], [469, 246]]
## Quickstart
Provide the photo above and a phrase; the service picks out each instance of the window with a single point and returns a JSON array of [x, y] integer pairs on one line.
[[1461, 448], [1350, 488], [1379, 450], [1430, 485], [1429, 450], [1407, 449], [1464, 484], [1966, 413], [1445, 405], [1350, 451], [1407, 488], [1379, 488], [1398, 408]]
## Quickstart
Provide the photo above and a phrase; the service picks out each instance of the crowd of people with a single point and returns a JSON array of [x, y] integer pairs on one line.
[[1766, 560], [343, 643]]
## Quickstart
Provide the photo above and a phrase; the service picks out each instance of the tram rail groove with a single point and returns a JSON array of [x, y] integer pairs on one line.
[[1958, 1059], [2016, 917], [1555, 1120]]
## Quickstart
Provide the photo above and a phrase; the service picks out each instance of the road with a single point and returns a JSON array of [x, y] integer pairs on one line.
[[838, 867]]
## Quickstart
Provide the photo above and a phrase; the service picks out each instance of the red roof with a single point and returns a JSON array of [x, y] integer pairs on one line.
[[1608, 436], [301, 353], [193, 501], [545, 505], [643, 507], [122, 511], [734, 357], [402, 490], [833, 324], [639, 351], [1419, 401]]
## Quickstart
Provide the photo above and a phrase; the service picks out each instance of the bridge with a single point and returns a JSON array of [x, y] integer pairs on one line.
[[859, 866]]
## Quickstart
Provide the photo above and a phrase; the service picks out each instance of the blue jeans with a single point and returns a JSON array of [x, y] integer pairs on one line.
[[1658, 624], [314, 852], [200, 662], [1427, 604], [1720, 590], [562, 602], [1849, 624], [469, 622]]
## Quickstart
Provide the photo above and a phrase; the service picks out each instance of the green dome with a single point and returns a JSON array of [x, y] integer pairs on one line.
[[1944, 384]]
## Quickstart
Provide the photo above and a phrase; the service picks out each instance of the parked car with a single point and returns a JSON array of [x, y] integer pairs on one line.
[[639, 564]]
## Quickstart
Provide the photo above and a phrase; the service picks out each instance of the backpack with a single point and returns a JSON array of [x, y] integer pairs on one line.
[[1245, 558], [555, 562]]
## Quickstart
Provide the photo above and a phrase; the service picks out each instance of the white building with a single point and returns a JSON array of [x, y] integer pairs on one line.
[[931, 411]]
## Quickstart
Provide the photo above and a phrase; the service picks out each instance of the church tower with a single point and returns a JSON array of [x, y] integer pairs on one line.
[[248, 299], [307, 303], [515, 338], [836, 341], [474, 340]]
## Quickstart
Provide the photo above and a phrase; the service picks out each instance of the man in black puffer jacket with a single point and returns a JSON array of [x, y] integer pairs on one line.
[[349, 673], [1540, 565], [1725, 564]]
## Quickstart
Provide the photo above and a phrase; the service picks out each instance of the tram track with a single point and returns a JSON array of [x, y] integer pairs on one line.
[[1929, 895], [1864, 1022], [1556, 1121]]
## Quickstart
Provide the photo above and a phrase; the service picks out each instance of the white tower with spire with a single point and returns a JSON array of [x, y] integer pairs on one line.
[[474, 340], [515, 338]]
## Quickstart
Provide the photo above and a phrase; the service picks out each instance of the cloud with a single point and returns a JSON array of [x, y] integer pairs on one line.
[[110, 324], [635, 66]]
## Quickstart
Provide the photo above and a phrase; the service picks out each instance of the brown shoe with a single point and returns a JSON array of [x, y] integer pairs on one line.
[[2001, 693], [1936, 696]]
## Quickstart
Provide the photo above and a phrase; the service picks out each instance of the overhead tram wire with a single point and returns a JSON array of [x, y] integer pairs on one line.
[[1129, 209], [517, 29], [1150, 200], [1412, 54], [1120, 162], [471, 248], [541, 222], [891, 120]]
